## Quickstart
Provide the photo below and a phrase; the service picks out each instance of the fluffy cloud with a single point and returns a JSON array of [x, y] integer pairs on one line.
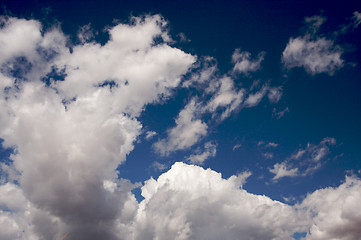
[[189, 202], [71, 118], [315, 54], [334, 211]]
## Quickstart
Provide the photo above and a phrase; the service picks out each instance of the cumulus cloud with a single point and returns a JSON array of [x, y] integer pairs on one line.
[[210, 150], [334, 211], [71, 117], [315, 54], [304, 161], [189, 202]]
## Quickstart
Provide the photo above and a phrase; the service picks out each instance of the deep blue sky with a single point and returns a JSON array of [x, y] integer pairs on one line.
[[320, 105]]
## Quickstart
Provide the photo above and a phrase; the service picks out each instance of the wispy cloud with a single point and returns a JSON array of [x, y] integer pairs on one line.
[[304, 161], [210, 150], [244, 64]]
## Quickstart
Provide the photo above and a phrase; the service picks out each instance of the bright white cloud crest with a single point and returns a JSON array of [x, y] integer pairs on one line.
[[71, 118]]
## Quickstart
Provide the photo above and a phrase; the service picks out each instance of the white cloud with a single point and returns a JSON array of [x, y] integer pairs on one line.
[[243, 176], [210, 150], [225, 96], [304, 161], [85, 34], [186, 133], [206, 73], [158, 166], [188, 202], [282, 170], [274, 94], [272, 144], [254, 99], [243, 63], [236, 146], [315, 54], [150, 134], [334, 212], [71, 135]]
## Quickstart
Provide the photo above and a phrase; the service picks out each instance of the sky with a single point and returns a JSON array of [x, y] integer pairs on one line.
[[180, 120]]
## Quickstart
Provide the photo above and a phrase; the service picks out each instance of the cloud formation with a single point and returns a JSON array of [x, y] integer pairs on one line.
[[304, 161], [210, 150], [243, 63], [189, 202], [186, 133], [71, 115], [314, 53]]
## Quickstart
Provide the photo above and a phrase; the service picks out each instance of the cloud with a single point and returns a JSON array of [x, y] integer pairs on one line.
[[189, 202], [236, 147], [281, 170], [304, 161], [280, 114], [243, 176], [218, 96], [225, 96], [243, 63], [158, 166], [150, 134], [71, 118], [333, 211], [186, 133], [274, 94], [254, 99], [357, 18], [316, 54], [210, 150], [272, 144]]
